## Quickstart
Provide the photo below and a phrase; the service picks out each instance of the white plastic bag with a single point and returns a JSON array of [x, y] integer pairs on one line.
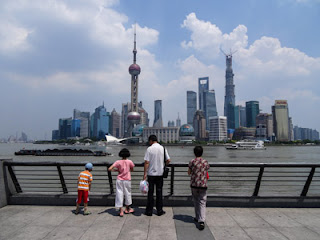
[[144, 187]]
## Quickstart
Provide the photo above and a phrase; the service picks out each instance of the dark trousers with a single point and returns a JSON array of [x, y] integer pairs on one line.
[[158, 182]]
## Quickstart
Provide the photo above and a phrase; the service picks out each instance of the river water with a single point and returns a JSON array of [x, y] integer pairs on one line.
[[178, 154]]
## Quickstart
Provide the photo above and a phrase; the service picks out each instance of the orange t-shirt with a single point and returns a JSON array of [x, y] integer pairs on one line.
[[84, 179]]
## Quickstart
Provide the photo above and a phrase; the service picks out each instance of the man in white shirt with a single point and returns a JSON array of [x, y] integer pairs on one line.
[[153, 169]]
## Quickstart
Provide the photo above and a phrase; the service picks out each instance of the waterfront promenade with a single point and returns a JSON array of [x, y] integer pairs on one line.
[[52, 222]]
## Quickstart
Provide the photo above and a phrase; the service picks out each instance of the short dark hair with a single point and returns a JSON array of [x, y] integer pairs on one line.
[[124, 153], [153, 138], [198, 150]]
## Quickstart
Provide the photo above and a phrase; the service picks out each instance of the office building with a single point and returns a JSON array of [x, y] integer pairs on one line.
[[84, 118], [55, 135], [75, 127], [144, 116], [124, 120], [65, 128], [264, 126], [170, 123], [203, 87], [218, 128], [229, 99], [280, 113], [115, 124], [164, 134], [210, 107], [252, 111], [191, 106], [157, 114], [178, 121], [100, 122], [199, 126]]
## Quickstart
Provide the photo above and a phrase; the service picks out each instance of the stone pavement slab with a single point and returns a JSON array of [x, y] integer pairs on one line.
[[50, 222]]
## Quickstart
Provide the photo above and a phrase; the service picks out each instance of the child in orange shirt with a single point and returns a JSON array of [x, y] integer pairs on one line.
[[84, 185]]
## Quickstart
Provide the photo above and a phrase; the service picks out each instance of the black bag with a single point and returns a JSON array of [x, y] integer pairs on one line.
[[165, 168]]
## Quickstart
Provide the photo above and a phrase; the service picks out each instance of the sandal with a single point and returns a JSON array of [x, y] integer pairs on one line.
[[87, 213], [121, 214], [130, 211]]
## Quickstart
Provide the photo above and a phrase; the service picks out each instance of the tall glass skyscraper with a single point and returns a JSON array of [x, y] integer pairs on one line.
[[100, 123], [203, 87], [158, 114], [210, 107], [229, 99], [191, 106], [65, 128], [252, 110], [280, 114]]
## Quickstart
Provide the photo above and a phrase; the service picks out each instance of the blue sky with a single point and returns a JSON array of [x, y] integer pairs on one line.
[[59, 55]]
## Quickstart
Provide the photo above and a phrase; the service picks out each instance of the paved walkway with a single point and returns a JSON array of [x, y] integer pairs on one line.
[[40, 222]]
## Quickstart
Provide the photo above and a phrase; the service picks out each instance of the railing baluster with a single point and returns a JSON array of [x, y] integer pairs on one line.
[[14, 179], [172, 181], [63, 183], [110, 181], [308, 182], [258, 183]]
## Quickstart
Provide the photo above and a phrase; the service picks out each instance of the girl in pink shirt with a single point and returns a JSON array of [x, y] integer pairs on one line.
[[124, 168]]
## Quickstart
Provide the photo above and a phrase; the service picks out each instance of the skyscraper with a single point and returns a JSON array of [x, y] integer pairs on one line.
[[115, 123], [144, 116], [65, 128], [229, 99], [203, 87], [134, 70], [280, 114], [191, 106], [158, 114], [199, 125], [252, 110], [178, 121], [124, 120], [100, 124], [218, 128], [210, 107], [84, 122]]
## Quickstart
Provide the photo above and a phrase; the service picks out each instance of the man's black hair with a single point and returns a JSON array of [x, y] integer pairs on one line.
[[124, 153], [153, 138], [198, 150]]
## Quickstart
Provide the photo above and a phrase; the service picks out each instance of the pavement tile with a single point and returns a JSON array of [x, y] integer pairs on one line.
[[276, 218], [164, 221], [298, 233], [95, 232], [65, 233], [245, 217], [229, 233], [52, 218], [303, 216], [160, 233], [264, 234], [219, 217], [31, 233]]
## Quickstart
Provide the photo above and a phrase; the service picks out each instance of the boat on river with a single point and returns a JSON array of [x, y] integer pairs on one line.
[[247, 145], [62, 152]]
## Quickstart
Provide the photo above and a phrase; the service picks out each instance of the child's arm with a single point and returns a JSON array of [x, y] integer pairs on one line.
[[112, 168], [189, 171]]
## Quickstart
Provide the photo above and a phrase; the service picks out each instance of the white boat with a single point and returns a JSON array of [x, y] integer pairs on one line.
[[247, 145]]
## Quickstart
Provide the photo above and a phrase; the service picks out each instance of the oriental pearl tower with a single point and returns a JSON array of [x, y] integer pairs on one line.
[[134, 70]]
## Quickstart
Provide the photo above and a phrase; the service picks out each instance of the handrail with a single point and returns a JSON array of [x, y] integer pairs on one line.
[[226, 179]]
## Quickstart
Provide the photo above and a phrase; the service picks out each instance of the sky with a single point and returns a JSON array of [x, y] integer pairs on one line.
[[58, 55]]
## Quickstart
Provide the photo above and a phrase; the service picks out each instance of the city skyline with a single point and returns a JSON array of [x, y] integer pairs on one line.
[[57, 56]]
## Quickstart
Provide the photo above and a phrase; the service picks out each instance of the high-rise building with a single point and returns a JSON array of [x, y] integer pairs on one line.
[[65, 128], [264, 126], [115, 123], [218, 128], [178, 121], [210, 107], [124, 120], [144, 117], [134, 70], [243, 116], [55, 135], [229, 99], [199, 125], [203, 87], [100, 125], [191, 106], [170, 123], [158, 114], [291, 134], [252, 110], [84, 118], [280, 115], [75, 127]]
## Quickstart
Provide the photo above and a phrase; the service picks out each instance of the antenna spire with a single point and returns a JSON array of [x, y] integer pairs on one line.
[[134, 47]]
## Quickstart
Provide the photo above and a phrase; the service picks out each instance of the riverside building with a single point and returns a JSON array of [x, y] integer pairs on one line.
[[191, 106], [280, 113], [252, 110], [164, 134], [157, 114], [218, 128]]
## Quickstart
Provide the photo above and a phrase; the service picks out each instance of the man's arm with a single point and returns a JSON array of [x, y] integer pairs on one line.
[[146, 166]]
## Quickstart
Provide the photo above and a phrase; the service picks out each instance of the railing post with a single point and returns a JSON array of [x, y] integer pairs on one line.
[[172, 180], [258, 183], [308, 183], [110, 181], [14, 179], [63, 183]]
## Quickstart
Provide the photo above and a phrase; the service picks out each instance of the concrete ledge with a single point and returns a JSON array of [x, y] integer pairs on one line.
[[138, 200]]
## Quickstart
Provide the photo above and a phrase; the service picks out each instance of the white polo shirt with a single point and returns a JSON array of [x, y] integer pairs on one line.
[[154, 155]]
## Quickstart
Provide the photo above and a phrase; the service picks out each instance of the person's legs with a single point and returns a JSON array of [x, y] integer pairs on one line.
[[85, 203], [195, 197], [78, 201], [127, 196], [119, 196], [150, 201], [159, 202], [202, 204]]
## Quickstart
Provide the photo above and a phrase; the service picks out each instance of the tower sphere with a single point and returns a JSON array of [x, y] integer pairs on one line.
[[133, 116], [134, 69]]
